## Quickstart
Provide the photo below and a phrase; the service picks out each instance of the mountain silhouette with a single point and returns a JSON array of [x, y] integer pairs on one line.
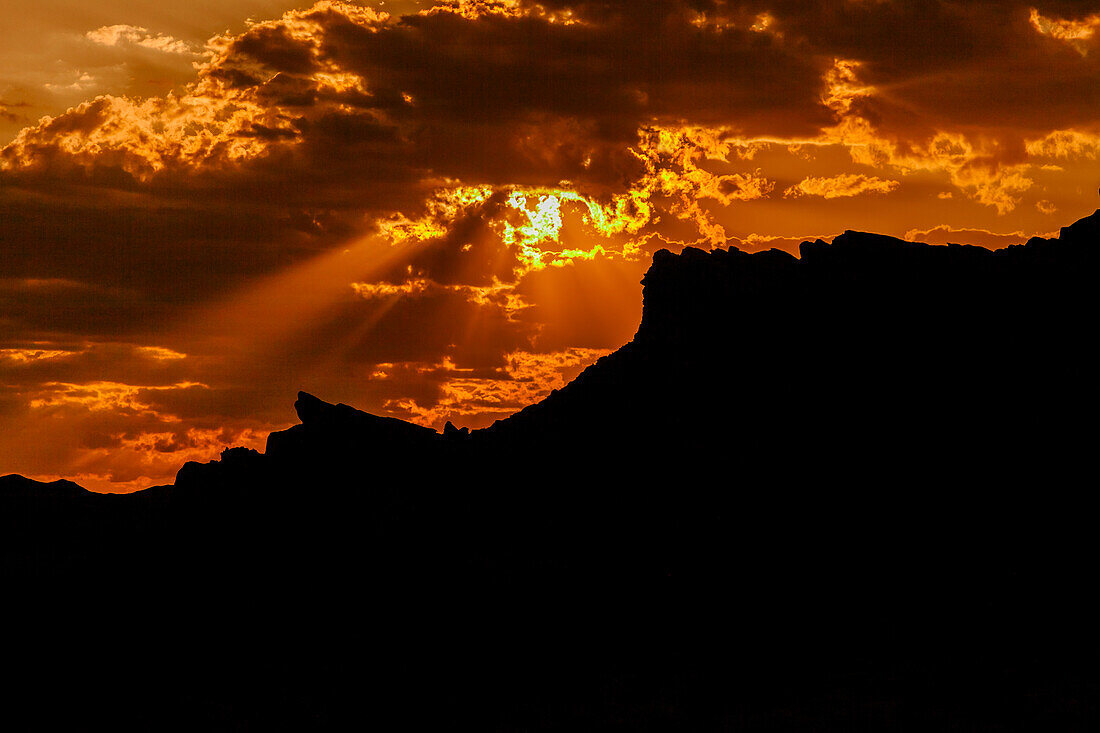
[[845, 491]]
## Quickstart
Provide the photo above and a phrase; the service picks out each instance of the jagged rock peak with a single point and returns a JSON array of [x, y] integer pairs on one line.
[[310, 408], [450, 431]]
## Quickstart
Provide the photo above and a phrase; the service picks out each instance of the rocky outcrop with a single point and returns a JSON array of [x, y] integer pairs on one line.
[[339, 432], [867, 339], [836, 492], [322, 418]]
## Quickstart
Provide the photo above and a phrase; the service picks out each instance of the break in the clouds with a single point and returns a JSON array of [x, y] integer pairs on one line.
[[444, 212]]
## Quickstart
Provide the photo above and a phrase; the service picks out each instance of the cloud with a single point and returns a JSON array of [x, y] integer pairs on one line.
[[27, 356], [121, 35], [336, 89], [468, 396], [297, 89], [1065, 144], [980, 237], [8, 115], [101, 395], [1077, 33], [842, 186], [110, 435]]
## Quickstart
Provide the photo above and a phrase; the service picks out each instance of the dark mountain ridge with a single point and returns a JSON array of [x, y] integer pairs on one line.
[[842, 491]]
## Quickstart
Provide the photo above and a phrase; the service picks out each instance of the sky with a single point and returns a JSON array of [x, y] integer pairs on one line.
[[443, 210]]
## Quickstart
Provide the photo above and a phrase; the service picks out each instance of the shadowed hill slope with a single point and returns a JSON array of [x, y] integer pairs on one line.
[[847, 491]]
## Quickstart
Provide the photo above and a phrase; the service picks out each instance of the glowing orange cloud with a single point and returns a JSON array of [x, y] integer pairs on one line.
[[842, 186], [1074, 32], [525, 379], [102, 395]]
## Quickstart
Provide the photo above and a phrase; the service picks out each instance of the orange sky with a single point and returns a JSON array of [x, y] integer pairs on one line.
[[444, 212]]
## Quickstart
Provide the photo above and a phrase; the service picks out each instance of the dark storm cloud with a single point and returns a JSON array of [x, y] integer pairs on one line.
[[611, 72], [445, 95], [337, 106], [952, 64], [298, 128]]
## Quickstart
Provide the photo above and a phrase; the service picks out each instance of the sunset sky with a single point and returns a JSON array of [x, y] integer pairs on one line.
[[442, 210]]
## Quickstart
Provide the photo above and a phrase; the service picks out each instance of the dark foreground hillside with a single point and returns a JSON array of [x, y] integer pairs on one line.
[[851, 491]]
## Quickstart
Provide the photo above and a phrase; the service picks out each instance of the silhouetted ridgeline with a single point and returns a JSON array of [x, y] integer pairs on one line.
[[848, 491]]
